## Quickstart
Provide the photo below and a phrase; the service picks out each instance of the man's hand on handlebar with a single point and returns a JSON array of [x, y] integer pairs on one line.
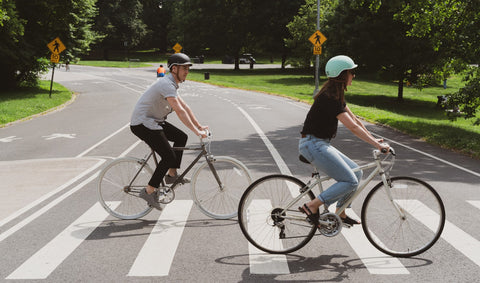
[[203, 132]]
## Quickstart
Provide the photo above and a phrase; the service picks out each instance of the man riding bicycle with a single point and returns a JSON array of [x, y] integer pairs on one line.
[[149, 123]]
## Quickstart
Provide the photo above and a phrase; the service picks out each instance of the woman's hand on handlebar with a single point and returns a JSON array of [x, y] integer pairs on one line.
[[384, 147]]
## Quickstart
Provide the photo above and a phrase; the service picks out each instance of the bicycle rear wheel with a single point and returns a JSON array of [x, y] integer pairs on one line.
[[116, 195], [212, 199], [267, 222], [413, 232]]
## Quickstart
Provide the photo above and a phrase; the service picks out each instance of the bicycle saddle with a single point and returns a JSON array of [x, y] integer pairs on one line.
[[303, 159]]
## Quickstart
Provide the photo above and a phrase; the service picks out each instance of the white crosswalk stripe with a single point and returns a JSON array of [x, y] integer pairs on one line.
[[375, 261], [262, 262], [41, 264], [157, 254], [164, 239]]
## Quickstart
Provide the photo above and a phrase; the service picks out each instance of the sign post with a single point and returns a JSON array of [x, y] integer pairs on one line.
[[57, 47]]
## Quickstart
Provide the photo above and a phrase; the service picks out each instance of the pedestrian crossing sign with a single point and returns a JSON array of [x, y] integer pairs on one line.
[[56, 46], [317, 38]]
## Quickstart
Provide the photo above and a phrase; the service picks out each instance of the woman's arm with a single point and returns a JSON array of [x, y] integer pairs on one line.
[[357, 128]]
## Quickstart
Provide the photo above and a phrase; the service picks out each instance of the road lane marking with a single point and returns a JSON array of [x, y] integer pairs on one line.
[[462, 241], [102, 141], [46, 196], [260, 261], [156, 256], [44, 209], [10, 139], [44, 262], [273, 151], [475, 203], [434, 157], [374, 260]]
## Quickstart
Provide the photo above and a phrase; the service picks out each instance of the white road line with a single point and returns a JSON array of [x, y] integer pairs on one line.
[[44, 262], [273, 151], [433, 157], [475, 203], [44, 209], [375, 261], [156, 256], [46, 196], [456, 237], [260, 261], [102, 141]]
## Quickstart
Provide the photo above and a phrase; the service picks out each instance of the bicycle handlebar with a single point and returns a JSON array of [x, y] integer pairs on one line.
[[377, 152], [208, 133]]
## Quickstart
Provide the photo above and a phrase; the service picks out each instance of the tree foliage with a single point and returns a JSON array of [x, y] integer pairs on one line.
[[226, 27], [28, 26], [121, 23]]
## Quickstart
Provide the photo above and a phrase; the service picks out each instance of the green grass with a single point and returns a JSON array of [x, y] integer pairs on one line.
[[375, 101], [22, 103]]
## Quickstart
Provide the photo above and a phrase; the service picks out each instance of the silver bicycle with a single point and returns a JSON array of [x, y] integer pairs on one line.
[[401, 216], [216, 186]]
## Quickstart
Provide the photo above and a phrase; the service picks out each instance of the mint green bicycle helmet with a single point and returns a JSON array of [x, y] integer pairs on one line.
[[338, 64]]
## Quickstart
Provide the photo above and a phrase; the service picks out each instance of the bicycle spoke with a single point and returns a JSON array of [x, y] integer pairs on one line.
[[265, 222], [413, 232], [112, 181]]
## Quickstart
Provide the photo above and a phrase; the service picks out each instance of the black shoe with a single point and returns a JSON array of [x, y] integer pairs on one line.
[[349, 222]]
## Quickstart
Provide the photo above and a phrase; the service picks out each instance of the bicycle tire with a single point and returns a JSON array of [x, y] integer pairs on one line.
[[418, 231], [114, 194], [261, 220], [216, 202]]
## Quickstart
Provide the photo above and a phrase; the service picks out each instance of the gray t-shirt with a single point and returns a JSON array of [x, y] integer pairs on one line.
[[153, 107]]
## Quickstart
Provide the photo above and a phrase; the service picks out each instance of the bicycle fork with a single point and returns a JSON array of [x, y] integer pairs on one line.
[[387, 183]]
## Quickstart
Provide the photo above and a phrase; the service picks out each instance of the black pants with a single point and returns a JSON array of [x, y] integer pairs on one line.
[[158, 140]]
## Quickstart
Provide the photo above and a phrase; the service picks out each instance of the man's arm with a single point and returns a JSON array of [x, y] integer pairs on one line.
[[185, 115]]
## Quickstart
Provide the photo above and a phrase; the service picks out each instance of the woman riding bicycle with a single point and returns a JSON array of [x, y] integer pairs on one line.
[[149, 124], [320, 127]]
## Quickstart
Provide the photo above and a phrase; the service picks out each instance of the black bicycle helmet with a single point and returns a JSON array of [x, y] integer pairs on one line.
[[179, 59]]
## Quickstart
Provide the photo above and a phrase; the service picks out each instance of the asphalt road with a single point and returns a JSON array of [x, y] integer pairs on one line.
[[52, 228]]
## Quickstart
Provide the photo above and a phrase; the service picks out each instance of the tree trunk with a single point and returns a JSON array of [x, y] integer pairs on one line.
[[237, 62], [400, 88]]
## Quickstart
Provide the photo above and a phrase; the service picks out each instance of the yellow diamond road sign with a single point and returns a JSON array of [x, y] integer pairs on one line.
[[56, 46], [177, 47], [317, 38]]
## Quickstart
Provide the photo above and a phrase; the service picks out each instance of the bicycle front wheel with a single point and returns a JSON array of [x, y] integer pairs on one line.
[[219, 198], [118, 194], [269, 217], [407, 226]]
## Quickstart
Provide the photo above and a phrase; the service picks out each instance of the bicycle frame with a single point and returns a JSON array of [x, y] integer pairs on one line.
[[317, 181], [203, 152]]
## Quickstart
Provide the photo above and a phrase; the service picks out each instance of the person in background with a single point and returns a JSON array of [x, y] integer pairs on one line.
[[160, 72]]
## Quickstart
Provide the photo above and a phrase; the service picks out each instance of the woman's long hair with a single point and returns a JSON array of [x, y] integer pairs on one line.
[[335, 87]]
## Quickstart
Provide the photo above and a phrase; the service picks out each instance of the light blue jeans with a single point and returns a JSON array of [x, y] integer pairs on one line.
[[335, 164]]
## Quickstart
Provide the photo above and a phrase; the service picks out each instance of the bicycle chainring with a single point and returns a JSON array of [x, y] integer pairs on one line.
[[165, 195], [334, 225]]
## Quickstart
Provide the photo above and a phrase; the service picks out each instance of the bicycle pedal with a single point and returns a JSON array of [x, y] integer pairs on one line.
[[347, 225]]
